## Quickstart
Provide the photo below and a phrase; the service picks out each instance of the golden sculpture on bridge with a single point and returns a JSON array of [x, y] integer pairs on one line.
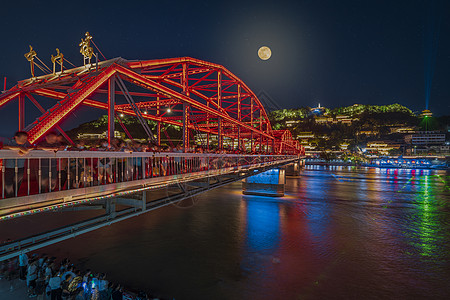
[[30, 57], [59, 56], [86, 49]]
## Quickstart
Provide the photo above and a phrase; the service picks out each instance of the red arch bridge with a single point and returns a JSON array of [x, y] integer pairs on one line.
[[202, 98]]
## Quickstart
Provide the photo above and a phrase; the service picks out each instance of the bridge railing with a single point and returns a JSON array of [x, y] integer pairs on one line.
[[41, 172]]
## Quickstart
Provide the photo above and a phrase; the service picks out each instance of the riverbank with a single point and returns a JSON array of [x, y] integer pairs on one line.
[[12, 287], [13, 290]]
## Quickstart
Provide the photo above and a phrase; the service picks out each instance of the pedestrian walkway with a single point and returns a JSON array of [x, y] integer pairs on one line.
[[18, 292]]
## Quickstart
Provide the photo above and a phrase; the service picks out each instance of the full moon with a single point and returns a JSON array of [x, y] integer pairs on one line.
[[264, 53]]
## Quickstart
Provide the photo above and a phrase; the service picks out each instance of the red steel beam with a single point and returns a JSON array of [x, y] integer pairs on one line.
[[61, 109], [197, 62], [42, 110], [165, 90], [168, 69], [102, 105], [8, 97]]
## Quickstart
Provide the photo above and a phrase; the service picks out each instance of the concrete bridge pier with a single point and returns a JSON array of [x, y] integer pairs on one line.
[[269, 183], [294, 168]]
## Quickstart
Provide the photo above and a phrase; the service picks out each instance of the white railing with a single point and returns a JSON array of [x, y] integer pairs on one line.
[[41, 172]]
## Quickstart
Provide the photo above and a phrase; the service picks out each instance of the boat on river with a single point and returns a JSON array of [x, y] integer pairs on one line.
[[409, 163]]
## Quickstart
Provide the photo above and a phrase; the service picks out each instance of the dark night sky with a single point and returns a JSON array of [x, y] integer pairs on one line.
[[333, 52]]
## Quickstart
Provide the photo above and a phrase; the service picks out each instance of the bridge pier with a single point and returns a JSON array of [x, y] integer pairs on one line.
[[294, 168], [269, 183], [110, 207], [137, 203]]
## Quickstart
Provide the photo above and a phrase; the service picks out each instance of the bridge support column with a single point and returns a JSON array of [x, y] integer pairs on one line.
[[269, 183], [158, 133], [21, 111], [158, 124], [260, 142], [185, 128], [220, 135], [144, 200], [111, 112], [293, 169], [110, 208], [239, 138]]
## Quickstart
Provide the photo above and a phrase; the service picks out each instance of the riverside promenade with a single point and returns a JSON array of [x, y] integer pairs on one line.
[[19, 290]]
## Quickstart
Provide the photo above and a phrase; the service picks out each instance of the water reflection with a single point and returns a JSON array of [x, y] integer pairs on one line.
[[317, 210], [263, 224], [339, 233], [425, 233]]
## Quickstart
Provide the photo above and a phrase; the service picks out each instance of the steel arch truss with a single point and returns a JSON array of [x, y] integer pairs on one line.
[[199, 96]]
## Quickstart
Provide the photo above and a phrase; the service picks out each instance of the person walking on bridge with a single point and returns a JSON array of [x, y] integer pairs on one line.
[[48, 166], [14, 167]]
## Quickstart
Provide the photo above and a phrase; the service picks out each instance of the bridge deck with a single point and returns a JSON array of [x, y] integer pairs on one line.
[[55, 180]]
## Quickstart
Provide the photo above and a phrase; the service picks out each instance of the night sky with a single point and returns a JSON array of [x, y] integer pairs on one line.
[[333, 52]]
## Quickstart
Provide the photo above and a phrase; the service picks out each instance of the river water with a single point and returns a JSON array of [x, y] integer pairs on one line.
[[339, 233]]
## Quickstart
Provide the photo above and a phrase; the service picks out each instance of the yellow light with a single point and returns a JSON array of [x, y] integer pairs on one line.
[[169, 110], [121, 115], [264, 53]]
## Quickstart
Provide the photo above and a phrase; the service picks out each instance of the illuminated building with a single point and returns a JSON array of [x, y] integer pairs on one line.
[[426, 113], [319, 110], [381, 147], [426, 138]]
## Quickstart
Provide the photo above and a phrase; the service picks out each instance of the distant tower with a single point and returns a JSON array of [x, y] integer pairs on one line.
[[319, 110], [426, 114]]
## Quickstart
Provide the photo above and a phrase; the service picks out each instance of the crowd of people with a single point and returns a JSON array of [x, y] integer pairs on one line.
[[74, 173], [47, 279], [54, 142]]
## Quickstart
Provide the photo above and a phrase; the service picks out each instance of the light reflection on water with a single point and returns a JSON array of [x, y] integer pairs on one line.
[[338, 233]]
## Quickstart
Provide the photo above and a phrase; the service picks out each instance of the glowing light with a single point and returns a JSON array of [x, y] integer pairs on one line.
[[169, 110], [121, 115], [72, 203], [264, 53]]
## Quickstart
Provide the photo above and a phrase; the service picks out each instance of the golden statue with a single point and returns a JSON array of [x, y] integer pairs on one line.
[[30, 57], [54, 59], [85, 48]]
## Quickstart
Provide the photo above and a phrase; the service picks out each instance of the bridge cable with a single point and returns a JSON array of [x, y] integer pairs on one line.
[[65, 59], [98, 49], [124, 128], [168, 137], [42, 69], [130, 101], [43, 64], [196, 127]]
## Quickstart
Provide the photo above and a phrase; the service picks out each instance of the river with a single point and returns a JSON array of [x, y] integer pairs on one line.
[[339, 233]]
